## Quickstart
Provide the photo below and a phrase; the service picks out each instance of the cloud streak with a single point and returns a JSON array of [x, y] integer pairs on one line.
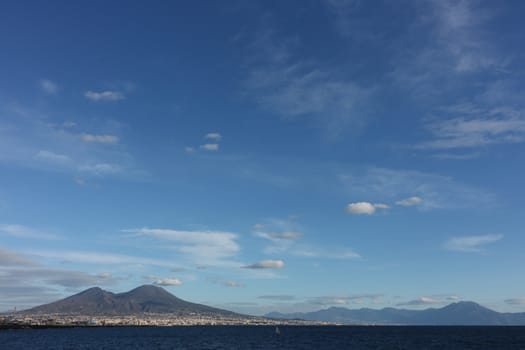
[[203, 247], [98, 96], [266, 264], [471, 244], [20, 231]]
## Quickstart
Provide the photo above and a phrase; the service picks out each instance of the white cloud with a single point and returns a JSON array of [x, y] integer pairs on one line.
[[204, 247], [300, 88], [471, 244], [99, 138], [277, 297], [232, 284], [279, 236], [20, 231], [48, 86], [52, 157], [104, 96], [365, 208], [344, 299], [98, 258], [438, 191], [189, 149], [333, 253], [168, 282], [211, 147], [515, 301], [421, 301], [266, 264], [410, 201], [10, 258], [213, 136], [475, 128], [101, 169], [34, 140]]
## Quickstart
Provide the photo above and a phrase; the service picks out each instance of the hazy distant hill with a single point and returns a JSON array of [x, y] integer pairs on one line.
[[461, 313], [147, 298]]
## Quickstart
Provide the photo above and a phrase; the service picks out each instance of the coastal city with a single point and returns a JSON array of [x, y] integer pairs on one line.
[[18, 320]]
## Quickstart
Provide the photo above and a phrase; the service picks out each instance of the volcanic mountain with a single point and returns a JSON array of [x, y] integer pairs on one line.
[[144, 299]]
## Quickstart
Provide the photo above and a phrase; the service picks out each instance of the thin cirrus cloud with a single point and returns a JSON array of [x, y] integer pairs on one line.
[[97, 258], [471, 244], [213, 136], [167, 282], [210, 147], [48, 86], [108, 139], [204, 247], [20, 231], [107, 95], [54, 147], [515, 301], [344, 299], [475, 127], [438, 191], [420, 302], [289, 235], [301, 88], [10, 258], [410, 201], [364, 208], [266, 264]]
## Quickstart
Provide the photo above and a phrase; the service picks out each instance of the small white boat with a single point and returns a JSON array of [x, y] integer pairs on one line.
[[277, 331]]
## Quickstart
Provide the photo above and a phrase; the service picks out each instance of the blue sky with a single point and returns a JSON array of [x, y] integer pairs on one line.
[[264, 155]]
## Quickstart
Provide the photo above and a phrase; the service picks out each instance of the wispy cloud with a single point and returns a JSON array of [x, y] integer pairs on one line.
[[231, 284], [100, 138], [107, 95], [422, 301], [20, 231], [410, 201], [166, 282], [204, 247], [98, 258], [296, 87], [438, 191], [344, 299], [34, 140], [11, 258], [471, 244], [266, 264], [48, 156], [515, 301], [279, 235], [210, 147], [475, 128], [213, 136], [277, 297], [48, 86], [365, 208]]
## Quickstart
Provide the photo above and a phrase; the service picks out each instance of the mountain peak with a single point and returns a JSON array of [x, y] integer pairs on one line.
[[143, 299]]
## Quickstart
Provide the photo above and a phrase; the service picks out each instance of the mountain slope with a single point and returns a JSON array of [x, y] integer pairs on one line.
[[147, 298], [461, 313]]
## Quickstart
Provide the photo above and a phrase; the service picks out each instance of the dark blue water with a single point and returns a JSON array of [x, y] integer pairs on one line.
[[231, 337]]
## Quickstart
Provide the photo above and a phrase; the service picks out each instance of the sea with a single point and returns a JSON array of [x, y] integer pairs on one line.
[[265, 337]]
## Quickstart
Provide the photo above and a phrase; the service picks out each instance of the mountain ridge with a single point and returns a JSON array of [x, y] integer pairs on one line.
[[143, 299], [459, 313]]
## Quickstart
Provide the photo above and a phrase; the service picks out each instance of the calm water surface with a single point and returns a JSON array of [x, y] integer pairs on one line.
[[230, 337]]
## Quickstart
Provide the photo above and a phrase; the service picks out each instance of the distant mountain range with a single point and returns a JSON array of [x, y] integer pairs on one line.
[[461, 313], [147, 298]]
